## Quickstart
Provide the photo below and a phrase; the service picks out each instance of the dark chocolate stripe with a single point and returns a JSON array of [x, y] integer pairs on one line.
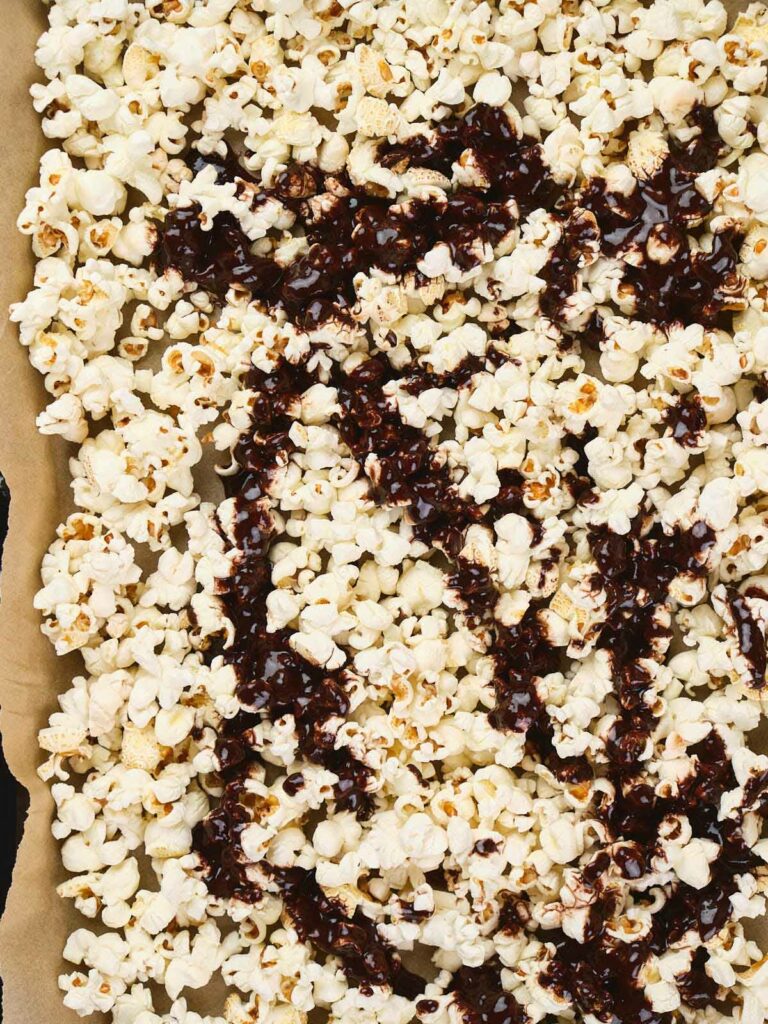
[[357, 230], [366, 959], [273, 680], [599, 976], [750, 637], [351, 230]]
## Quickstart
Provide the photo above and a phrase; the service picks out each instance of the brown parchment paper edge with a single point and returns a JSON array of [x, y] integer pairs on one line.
[[36, 922]]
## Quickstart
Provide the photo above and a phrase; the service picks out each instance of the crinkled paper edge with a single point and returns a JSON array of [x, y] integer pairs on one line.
[[36, 922]]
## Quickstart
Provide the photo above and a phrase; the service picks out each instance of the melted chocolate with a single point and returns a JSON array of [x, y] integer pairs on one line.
[[636, 811], [688, 287], [668, 199], [515, 912], [696, 988], [512, 164], [481, 996], [351, 230], [407, 912], [405, 472], [631, 861], [707, 910], [273, 680], [701, 153], [217, 840], [365, 957], [521, 654], [687, 420], [579, 482], [636, 570], [751, 639], [294, 784], [579, 236], [672, 283], [419, 381], [583, 972], [602, 978], [217, 258], [362, 231], [696, 289], [477, 589]]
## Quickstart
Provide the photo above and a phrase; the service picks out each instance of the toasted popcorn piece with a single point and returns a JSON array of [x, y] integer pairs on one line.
[[140, 749], [63, 739], [376, 118]]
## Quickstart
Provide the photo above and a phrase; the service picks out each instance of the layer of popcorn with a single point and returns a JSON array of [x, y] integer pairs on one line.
[[146, 374]]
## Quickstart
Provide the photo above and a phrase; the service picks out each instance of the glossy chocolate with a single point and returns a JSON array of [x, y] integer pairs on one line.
[[636, 570], [687, 420], [352, 230], [481, 996], [601, 976], [522, 653], [323, 922], [673, 281], [405, 471], [602, 979], [273, 680], [361, 231], [512, 165], [750, 637]]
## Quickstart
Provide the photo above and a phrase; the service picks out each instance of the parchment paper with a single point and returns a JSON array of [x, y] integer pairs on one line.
[[36, 922]]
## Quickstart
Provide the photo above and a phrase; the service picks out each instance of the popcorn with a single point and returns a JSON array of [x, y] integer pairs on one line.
[[468, 657]]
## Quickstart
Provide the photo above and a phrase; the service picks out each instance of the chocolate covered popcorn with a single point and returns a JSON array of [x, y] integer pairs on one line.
[[440, 701]]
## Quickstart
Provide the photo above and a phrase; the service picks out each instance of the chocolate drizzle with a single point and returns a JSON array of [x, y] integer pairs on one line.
[[702, 151], [404, 470], [601, 975], [751, 639], [673, 280], [687, 420], [273, 680], [636, 571], [522, 653], [365, 958], [217, 258], [649, 230], [480, 994], [602, 979], [351, 230], [217, 840], [512, 165], [362, 231]]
